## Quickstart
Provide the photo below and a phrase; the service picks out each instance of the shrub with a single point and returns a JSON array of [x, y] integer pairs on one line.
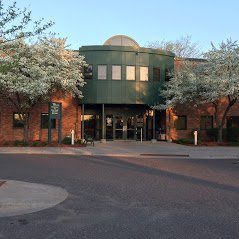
[[212, 134], [228, 134], [67, 140], [184, 141], [44, 143], [20, 143], [232, 134]]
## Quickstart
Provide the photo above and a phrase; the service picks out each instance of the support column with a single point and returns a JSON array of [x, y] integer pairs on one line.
[[83, 122], [144, 127], [103, 140], [154, 133]]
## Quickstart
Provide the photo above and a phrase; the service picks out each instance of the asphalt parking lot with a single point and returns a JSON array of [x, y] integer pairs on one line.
[[127, 197]]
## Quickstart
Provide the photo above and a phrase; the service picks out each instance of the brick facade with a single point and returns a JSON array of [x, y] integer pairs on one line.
[[71, 119], [193, 114]]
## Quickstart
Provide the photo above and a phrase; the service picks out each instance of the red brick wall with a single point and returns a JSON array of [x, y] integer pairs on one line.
[[193, 114], [71, 119]]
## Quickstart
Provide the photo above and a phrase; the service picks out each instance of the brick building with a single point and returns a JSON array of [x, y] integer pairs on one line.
[[122, 82], [11, 127]]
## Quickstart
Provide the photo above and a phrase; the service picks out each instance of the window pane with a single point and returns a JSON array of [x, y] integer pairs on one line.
[[233, 122], [102, 72], [44, 121], [206, 122], [180, 122], [116, 72], [18, 120], [144, 73], [156, 74], [130, 72], [88, 72]]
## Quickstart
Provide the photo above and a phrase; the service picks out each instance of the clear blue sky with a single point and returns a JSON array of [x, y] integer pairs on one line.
[[91, 22]]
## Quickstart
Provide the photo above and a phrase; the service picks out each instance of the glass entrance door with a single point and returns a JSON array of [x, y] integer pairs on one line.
[[131, 128], [139, 127], [119, 127], [109, 126]]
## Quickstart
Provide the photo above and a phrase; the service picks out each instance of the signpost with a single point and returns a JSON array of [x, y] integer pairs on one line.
[[54, 112]]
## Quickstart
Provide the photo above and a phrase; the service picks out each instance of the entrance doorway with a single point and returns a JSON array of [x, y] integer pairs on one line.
[[119, 127], [131, 128], [123, 122]]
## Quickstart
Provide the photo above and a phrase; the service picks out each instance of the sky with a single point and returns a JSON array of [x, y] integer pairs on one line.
[[92, 22]]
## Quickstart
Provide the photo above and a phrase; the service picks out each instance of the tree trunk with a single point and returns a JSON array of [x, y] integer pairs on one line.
[[26, 139], [231, 102], [26, 127]]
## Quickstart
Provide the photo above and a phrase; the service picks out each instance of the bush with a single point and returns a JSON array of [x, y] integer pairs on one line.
[[34, 144], [228, 134], [184, 141], [212, 134], [20, 143], [67, 140], [232, 134], [44, 143]]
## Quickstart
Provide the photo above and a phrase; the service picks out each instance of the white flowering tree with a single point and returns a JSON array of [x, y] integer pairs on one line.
[[211, 82], [17, 23], [30, 74]]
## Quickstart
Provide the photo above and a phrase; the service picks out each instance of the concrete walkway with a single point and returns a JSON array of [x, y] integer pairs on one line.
[[135, 149], [17, 198]]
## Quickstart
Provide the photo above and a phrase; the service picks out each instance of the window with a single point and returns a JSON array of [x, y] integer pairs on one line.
[[44, 121], [102, 72], [156, 74], [88, 72], [206, 122], [233, 122], [180, 122], [116, 72], [168, 75], [144, 70], [18, 120], [130, 72]]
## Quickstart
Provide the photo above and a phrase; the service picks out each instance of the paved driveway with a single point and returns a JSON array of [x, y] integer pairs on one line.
[[127, 197]]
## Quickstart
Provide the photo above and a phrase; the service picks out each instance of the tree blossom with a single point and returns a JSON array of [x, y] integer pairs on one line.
[[32, 73]]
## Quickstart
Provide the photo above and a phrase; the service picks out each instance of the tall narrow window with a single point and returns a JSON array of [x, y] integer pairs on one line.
[[88, 72], [233, 122], [180, 122], [206, 122], [144, 73], [102, 72], [116, 72], [156, 74], [130, 72]]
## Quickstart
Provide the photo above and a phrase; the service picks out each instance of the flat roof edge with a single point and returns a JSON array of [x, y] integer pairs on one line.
[[126, 49]]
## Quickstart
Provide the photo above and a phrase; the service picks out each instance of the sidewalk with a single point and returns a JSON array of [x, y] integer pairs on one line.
[[134, 149]]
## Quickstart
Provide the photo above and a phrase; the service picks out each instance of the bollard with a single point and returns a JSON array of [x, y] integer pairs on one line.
[[195, 137], [72, 137]]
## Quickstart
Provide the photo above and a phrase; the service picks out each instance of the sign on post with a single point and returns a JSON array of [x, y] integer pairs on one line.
[[54, 112]]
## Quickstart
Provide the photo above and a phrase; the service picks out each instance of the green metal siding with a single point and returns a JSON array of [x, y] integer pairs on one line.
[[123, 91]]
